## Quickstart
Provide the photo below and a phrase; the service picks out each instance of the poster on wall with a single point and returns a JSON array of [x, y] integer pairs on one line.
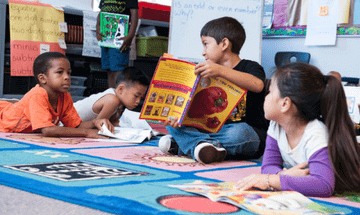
[[34, 29], [321, 23]]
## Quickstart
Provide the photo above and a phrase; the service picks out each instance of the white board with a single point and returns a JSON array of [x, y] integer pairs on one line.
[[189, 16]]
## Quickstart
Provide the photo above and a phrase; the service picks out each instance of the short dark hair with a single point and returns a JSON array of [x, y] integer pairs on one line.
[[131, 75], [43, 63], [226, 27]]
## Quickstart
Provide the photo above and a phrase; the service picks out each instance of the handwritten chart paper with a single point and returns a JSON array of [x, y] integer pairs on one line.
[[90, 47], [33, 26]]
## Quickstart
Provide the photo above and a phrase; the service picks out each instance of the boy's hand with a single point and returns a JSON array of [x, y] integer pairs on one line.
[[173, 122], [93, 133], [207, 69], [126, 44], [98, 123], [99, 36]]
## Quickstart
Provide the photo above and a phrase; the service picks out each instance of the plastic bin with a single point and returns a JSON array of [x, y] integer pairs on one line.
[[78, 80], [151, 46], [77, 90]]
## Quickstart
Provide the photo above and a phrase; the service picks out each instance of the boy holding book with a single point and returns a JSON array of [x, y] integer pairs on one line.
[[112, 59], [243, 135]]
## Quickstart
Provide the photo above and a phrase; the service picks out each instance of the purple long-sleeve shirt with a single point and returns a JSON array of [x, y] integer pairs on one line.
[[320, 182]]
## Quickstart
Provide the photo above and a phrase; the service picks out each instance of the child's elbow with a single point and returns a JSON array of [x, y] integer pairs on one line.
[[47, 132], [258, 86]]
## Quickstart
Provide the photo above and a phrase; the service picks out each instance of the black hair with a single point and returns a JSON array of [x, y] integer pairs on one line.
[[226, 27], [317, 96], [43, 63], [131, 75]]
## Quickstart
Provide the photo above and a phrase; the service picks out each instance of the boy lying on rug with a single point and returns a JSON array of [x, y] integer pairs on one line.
[[131, 86], [48, 103]]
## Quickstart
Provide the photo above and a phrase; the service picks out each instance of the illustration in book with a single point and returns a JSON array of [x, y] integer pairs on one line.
[[175, 91], [113, 26], [257, 201]]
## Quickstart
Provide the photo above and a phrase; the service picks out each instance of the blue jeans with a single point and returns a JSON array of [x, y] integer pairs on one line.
[[239, 139]]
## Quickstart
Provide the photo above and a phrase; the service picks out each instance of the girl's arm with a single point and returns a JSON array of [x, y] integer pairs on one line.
[[320, 182], [272, 161]]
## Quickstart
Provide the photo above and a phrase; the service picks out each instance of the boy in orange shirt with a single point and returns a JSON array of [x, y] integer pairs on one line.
[[48, 103]]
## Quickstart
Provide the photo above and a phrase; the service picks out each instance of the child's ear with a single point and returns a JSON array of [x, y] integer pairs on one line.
[[120, 88], [42, 78], [225, 44], [286, 105]]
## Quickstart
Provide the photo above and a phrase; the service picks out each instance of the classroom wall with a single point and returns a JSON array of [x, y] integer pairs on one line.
[[343, 57]]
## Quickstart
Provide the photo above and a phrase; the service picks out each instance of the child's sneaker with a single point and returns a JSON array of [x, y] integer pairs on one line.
[[168, 145], [208, 153]]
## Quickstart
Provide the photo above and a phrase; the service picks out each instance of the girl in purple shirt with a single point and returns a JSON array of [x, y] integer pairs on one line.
[[311, 145]]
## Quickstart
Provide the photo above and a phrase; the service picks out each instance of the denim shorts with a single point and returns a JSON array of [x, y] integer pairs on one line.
[[114, 60]]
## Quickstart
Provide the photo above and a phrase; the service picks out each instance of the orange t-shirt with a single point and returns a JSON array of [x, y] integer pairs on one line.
[[34, 112]]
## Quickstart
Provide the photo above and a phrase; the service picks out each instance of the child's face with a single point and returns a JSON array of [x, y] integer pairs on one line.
[[57, 79], [272, 102], [130, 97], [212, 51]]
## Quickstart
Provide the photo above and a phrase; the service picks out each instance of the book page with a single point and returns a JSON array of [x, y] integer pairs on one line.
[[126, 135], [170, 90], [258, 201], [130, 119], [113, 26], [213, 102]]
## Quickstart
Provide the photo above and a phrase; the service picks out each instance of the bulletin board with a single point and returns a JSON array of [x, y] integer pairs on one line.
[[351, 28], [189, 16]]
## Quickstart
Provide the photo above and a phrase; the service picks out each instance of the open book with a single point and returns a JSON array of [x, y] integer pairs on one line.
[[113, 26], [175, 91], [260, 202], [131, 130]]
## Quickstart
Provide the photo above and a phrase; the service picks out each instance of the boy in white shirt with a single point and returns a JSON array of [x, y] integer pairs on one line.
[[131, 86]]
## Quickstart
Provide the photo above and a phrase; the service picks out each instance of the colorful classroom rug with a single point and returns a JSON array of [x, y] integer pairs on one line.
[[122, 178]]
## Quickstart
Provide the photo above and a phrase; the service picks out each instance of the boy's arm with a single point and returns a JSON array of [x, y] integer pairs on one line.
[[133, 25], [99, 36], [97, 123], [107, 106], [59, 131], [241, 79]]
